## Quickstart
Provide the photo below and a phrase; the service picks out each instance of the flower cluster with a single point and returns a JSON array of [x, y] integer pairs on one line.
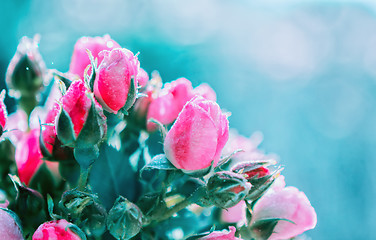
[[114, 154]]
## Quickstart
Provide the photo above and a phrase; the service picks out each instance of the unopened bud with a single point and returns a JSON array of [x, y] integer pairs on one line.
[[26, 70], [124, 220], [226, 189], [258, 174], [84, 210]]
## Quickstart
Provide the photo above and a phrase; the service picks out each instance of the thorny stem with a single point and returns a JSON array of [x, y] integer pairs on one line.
[[84, 176]]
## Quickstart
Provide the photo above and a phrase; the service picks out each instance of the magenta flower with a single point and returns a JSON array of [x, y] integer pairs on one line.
[[198, 135], [3, 112], [205, 91], [286, 203], [80, 59], [49, 133], [166, 107], [9, 229], [222, 235], [142, 78], [77, 104], [58, 229], [234, 214], [113, 86], [28, 156]]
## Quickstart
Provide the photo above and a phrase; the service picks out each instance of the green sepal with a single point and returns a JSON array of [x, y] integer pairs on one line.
[[162, 128], [64, 128], [199, 172], [90, 80], [92, 132], [224, 161], [50, 206], [77, 231], [43, 149], [159, 162], [131, 98], [62, 79]]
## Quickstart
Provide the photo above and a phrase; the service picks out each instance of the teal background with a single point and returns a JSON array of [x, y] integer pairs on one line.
[[301, 72]]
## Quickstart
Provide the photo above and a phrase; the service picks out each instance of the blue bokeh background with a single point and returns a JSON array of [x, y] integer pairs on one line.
[[301, 72]]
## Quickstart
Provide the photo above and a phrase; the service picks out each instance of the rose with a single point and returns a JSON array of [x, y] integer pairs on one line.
[[205, 91], [196, 139], [9, 227], [284, 203], [3, 112], [115, 86], [234, 214], [80, 59], [58, 229], [81, 122], [222, 235], [28, 156], [166, 106], [142, 78]]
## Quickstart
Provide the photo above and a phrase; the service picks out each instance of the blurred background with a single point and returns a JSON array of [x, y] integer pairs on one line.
[[301, 72]]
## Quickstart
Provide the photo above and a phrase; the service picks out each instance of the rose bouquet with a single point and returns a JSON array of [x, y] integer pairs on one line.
[[104, 152]]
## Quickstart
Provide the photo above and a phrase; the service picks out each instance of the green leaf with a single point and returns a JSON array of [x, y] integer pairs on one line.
[[159, 162], [112, 175]]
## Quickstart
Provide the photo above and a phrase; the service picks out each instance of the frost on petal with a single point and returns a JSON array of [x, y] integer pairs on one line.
[[287, 203], [8, 227], [28, 156], [192, 141], [80, 59], [77, 104]]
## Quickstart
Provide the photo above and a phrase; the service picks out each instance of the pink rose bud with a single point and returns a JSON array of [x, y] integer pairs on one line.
[[286, 203], [81, 121], [59, 230], [166, 107], [257, 172], [28, 156], [142, 78], [115, 86], [205, 91], [80, 59], [3, 112], [9, 228], [196, 139], [226, 189], [222, 235]]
